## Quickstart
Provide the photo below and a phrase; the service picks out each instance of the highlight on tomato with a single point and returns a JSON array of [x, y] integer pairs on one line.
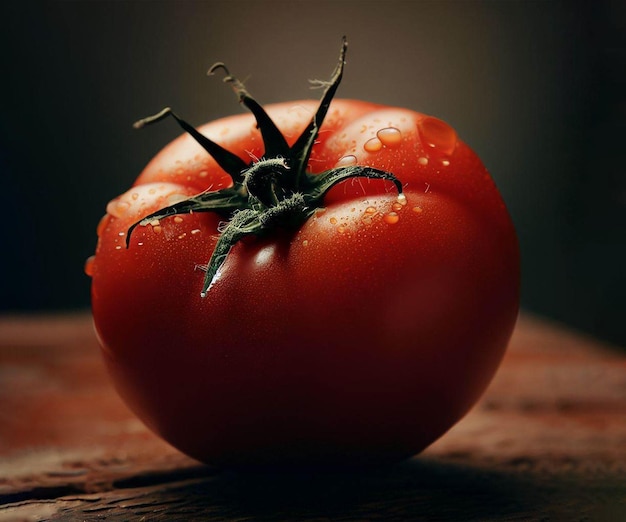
[[309, 284]]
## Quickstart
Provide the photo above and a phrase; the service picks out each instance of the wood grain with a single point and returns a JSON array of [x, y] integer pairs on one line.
[[547, 442]]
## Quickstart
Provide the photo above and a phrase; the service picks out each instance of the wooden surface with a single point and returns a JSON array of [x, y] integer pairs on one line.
[[547, 442]]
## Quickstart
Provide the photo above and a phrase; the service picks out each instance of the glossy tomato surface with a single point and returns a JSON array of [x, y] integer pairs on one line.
[[360, 337]]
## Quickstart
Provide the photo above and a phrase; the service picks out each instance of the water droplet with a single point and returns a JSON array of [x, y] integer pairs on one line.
[[390, 136], [445, 163], [183, 235], [157, 229], [437, 134], [195, 231], [417, 210], [305, 243], [341, 229], [373, 145], [346, 161], [178, 219], [422, 160], [140, 243], [121, 234], [152, 191], [396, 207], [391, 218], [370, 210], [117, 208], [118, 247], [89, 265], [333, 220], [134, 195], [175, 197], [203, 173]]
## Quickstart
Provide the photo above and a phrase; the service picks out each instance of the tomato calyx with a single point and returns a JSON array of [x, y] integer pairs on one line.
[[273, 192]]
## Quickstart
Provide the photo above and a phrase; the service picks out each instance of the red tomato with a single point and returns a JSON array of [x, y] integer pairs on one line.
[[354, 333]]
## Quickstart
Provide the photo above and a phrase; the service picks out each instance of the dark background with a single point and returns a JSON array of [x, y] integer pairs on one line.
[[536, 88]]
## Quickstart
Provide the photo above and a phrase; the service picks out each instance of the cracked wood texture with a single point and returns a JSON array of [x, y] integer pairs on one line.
[[546, 442]]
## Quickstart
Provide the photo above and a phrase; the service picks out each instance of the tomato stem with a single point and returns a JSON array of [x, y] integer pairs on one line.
[[304, 144], [274, 192], [274, 141], [230, 162]]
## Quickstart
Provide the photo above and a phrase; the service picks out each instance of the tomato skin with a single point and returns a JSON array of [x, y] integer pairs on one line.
[[359, 338]]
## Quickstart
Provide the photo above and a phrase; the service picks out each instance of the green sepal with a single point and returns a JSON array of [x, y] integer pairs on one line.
[[319, 184], [224, 202]]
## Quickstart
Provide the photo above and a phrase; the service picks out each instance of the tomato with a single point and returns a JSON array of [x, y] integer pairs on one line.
[[335, 289]]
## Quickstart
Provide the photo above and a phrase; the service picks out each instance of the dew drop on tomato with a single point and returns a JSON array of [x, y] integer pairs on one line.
[[391, 218], [89, 262], [373, 145], [346, 161], [175, 197], [390, 136], [437, 134], [117, 208]]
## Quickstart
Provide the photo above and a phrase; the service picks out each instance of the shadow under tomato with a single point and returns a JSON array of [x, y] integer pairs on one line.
[[415, 490], [419, 489], [412, 491]]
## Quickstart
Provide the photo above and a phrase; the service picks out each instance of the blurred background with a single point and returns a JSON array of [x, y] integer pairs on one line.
[[535, 88]]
